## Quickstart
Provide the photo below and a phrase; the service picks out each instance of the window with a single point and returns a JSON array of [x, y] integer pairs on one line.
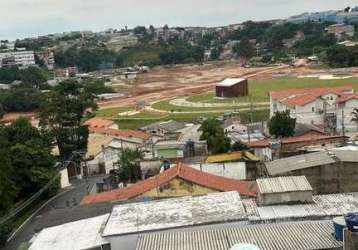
[[312, 109]]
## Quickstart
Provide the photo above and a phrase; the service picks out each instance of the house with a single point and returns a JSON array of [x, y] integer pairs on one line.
[[333, 172], [95, 153], [345, 106], [247, 159], [316, 106], [269, 149], [232, 87], [180, 180], [340, 30], [167, 129]]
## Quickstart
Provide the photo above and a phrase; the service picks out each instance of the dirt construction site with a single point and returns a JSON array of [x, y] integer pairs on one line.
[[185, 80], [182, 80]]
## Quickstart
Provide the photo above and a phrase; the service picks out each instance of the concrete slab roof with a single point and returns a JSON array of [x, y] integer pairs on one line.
[[278, 236], [283, 184], [346, 155], [173, 213], [228, 82], [285, 165], [78, 235]]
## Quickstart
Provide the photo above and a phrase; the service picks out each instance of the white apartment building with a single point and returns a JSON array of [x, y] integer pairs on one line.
[[17, 58], [318, 106]]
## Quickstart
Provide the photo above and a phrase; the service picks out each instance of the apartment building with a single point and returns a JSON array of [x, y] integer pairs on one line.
[[17, 58]]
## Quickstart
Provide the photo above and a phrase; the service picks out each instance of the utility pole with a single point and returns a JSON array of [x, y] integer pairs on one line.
[[343, 127]]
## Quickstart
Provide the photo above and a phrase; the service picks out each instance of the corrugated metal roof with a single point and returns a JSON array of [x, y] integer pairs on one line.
[[346, 155], [323, 206], [282, 236], [283, 184], [173, 213], [298, 162]]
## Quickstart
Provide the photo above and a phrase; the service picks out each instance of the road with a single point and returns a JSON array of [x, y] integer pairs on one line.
[[61, 210]]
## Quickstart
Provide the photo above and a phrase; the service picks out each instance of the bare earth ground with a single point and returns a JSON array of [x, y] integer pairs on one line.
[[165, 82], [182, 80]]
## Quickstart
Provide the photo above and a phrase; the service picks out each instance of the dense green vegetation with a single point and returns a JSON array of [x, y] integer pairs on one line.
[[65, 107], [341, 56], [214, 134], [128, 167], [26, 166], [282, 125]]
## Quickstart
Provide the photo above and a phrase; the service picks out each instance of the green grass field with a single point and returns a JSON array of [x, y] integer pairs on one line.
[[145, 55], [145, 118], [259, 89], [112, 113]]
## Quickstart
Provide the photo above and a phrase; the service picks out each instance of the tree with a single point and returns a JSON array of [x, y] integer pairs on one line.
[[239, 146], [215, 136], [8, 190], [355, 116], [129, 165], [244, 49], [282, 125], [33, 75], [215, 54], [63, 113], [2, 111], [97, 87], [140, 30]]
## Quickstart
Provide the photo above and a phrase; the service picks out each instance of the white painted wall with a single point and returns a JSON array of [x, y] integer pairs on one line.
[[64, 180], [347, 107]]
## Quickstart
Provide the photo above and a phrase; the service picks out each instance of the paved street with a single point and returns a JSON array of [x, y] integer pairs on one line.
[[63, 209]]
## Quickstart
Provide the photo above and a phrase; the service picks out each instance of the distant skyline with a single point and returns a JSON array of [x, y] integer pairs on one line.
[[31, 18]]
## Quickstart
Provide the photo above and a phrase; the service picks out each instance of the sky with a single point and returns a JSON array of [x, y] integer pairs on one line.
[[27, 18]]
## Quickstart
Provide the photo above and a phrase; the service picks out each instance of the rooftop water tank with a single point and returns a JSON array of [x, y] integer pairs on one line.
[[339, 224]]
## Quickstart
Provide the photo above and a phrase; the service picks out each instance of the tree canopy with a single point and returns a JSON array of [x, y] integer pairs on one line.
[[215, 136], [63, 113], [129, 165], [282, 125]]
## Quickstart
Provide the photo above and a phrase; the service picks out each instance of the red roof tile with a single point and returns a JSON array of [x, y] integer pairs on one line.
[[346, 98], [247, 188], [287, 140], [278, 95], [97, 122], [300, 100], [121, 133]]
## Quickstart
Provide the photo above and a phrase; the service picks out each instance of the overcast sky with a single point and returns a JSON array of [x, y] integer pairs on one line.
[[23, 18]]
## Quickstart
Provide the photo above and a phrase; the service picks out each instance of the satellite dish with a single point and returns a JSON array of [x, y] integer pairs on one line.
[[244, 247]]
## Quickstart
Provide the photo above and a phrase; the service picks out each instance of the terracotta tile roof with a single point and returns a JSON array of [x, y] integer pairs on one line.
[[287, 140], [346, 98], [300, 100], [316, 92], [121, 133], [185, 172], [97, 122]]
